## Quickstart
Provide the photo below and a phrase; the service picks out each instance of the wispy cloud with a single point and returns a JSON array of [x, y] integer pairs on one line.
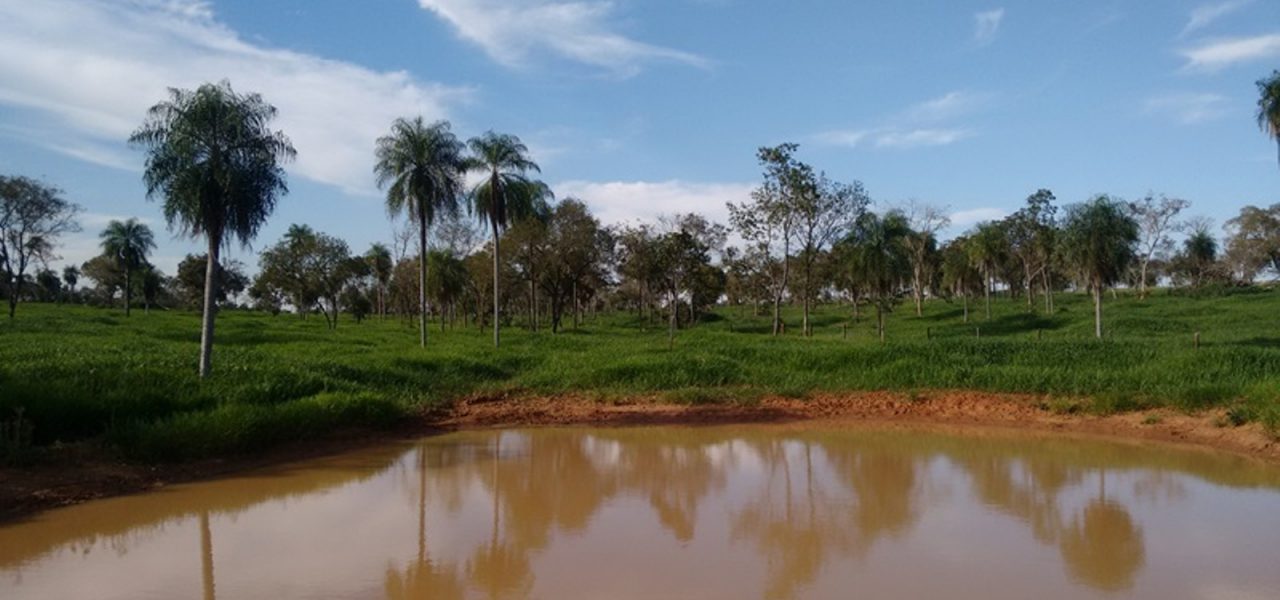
[[919, 125], [986, 24], [513, 32], [1205, 14], [916, 138], [85, 72], [1188, 108], [1218, 54], [628, 201], [964, 218]]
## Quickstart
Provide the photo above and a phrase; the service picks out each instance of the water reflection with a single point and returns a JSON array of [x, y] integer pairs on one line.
[[658, 512]]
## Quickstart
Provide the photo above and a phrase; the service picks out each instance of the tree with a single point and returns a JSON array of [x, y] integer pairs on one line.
[[1031, 233], [1254, 242], [505, 195], [1269, 106], [1098, 239], [128, 243], [32, 216], [422, 167], [70, 277], [48, 285], [448, 281], [216, 162], [768, 221], [106, 274], [188, 283], [682, 253], [1199, 255], [925, 221], [1156, 220], [824, 212], [988, 245], [378, 259], [881, 259], [959, 276]]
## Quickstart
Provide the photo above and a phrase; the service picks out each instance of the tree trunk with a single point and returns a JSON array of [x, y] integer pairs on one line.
[[210, 306], [671, 322], [917, 290], [422, 278], [880, 321], [496, 325], [206, 558], [965, 296], [128, 289], [986, 290], [1142, 279], [577, 314], [777, 298], [1097, 310]]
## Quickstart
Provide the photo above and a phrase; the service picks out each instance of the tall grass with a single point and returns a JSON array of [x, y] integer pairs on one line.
[[91, 374]]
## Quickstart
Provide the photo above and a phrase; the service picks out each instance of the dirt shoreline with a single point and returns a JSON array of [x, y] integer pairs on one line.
[[77, 477]]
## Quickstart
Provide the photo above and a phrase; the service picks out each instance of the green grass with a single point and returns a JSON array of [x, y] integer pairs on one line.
[[91, 374]]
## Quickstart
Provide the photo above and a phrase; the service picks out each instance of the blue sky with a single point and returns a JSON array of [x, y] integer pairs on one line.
[[648, 107]]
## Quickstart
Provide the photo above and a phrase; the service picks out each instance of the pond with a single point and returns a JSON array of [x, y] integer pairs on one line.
[[756, 511]]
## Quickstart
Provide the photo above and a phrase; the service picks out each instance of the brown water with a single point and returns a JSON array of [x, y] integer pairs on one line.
[[720, 512]]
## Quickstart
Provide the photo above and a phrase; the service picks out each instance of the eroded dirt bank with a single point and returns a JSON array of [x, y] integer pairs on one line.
[[78, 476]]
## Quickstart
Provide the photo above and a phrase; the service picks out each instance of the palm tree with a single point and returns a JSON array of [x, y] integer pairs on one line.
[[1269, 106], [1098, 238], [506, 194], [424, 166], [881, 259], [987, 246], [71, 276], [217, 163], [127, 243]]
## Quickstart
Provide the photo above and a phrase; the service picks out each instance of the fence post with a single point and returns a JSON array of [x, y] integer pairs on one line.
[[928, 333], [1197, 340], [977, 332], [844, 331]]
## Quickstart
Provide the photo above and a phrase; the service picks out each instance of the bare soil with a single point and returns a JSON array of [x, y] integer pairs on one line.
[[78, 474]]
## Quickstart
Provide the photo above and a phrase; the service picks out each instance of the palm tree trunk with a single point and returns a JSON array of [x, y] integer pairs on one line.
[[210, 306], [1097, 310], [128, 289], [496, 326], [986, 290], [422, 278]]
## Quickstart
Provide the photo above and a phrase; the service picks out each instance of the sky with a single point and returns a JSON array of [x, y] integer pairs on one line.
[[650, 107]]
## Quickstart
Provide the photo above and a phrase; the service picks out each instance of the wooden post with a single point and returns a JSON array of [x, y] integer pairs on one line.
[[928, 333], [1197, 340], [977, 332], [844, 331], [1039, 334]]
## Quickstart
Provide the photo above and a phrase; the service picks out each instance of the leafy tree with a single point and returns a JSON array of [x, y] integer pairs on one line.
[[1156, 219], [922, 245], [1031, 234], [188, 283], [380, 264], [311, 269], [1098, 239], [32, 217], [1254, 242], [505, 195], [683, 253], [216, 162], [880, 259], [422, 167], [768, 221], [128, 243], [106, 274], [448, 281], [1269, 106], [530, 241], [48, 285], [824, 211], [988, 246], [151, 282]]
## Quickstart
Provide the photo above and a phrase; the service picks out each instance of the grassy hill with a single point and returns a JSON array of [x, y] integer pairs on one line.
[[81, 373]]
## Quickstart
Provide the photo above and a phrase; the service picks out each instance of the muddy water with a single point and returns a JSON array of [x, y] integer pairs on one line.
[[721, 512]]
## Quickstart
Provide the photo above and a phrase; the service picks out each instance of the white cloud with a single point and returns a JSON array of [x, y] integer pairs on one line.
[[947, 106], [1205, 14], [1218, 54], [916, 138], [1188, 108], [627, 201], [89, 69], [962, 219], [841, 137], [512, 32], [986, 24]]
